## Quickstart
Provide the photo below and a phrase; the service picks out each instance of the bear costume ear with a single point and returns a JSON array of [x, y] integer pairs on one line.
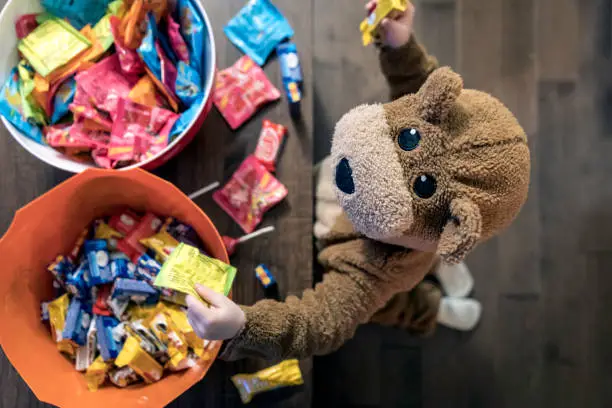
[[461, 232], [438, 94]]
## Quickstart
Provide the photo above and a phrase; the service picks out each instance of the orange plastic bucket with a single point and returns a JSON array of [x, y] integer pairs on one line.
[[49, 226]]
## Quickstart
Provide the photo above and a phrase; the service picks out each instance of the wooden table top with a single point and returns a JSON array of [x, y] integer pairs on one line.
[[213, 156]]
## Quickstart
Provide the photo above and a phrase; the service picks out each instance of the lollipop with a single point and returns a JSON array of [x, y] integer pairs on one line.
[[232, 243]]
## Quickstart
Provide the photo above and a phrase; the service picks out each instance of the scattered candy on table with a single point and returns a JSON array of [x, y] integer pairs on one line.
[[285, 374], [270, 143], [111, 321], [249, 194], [241, 90], [257, 29], [291, 71], [231, 244], [118, 107]]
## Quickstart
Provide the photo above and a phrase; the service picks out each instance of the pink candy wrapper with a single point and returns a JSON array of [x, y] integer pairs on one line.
[[106, 84], [241, 90], [176, 40], [270, 143], [250, 193]]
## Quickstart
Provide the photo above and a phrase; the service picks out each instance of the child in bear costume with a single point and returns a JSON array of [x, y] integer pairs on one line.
[[421, 179]]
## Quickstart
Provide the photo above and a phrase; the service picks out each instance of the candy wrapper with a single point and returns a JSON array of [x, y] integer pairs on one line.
[[106, 84], [61, 268], [78, 320], [104, 231], [192, 30], [241, 90], [257, 29], [124, 222], [284, 374], [108, 345], [130, 245], [133, 356], [264, 276], [162, 244], [187, 117], [58, 310], [51, 45], [79, 12], [74, 254], [96, 373], [188, 84], [77, 283], [158, 63], [270, 143], [25, 25], [292, 75], [134, 290], [147, 269], [62, 100], [251, 192], [176, 40], [130, 61], [103, 30], [32, 110], [186, 266], [145, 93], [12, 109]]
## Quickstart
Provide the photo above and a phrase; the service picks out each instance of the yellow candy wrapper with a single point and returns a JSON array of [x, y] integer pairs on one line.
[[284, 374], [179, 317], [102, 29], [32, 110], [96, 373], [162, 243], [104, 231], [187, 266], [122, 377], [57, 316], [52, 44], [133, 356], [383, 9]]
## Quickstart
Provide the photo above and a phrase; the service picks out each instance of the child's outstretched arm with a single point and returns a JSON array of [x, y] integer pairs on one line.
[[404, 62], [362, 277]]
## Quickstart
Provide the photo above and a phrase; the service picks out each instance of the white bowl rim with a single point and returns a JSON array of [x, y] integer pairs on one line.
[[211, 68]]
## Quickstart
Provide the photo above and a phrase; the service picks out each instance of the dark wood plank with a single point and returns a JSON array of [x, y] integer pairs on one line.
[[558, 49]]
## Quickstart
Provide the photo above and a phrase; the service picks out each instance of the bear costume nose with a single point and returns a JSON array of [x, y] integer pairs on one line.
[[344, 177]]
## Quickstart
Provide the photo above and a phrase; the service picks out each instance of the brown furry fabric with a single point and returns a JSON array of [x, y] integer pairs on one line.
[[476, 152]]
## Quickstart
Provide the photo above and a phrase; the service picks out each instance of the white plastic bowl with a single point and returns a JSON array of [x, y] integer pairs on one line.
[[8, 48]]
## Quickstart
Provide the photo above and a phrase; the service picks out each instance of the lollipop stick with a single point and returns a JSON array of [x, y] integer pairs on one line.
[[204, 190], [255, 234]]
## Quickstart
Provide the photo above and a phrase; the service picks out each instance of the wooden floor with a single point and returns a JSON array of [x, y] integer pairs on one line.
[[546, 284]]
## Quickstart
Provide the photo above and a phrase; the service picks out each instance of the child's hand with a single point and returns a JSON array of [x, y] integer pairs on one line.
[[395, 31], [221, 321]]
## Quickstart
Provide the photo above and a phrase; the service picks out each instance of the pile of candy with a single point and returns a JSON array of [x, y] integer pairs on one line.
[[112, 81], [111, 318], [242, 89]]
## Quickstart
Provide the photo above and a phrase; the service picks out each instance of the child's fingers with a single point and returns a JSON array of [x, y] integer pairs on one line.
[[370, 5], [212, 297], [198, 307]]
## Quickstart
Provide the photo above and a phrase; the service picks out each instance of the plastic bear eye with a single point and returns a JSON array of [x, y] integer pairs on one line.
[[425, 186], [409, 139]]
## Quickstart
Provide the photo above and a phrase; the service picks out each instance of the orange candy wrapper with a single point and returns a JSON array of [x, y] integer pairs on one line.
[[26, 282]]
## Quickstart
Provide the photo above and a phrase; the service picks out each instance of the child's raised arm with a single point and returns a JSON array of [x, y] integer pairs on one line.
[[404, 62]]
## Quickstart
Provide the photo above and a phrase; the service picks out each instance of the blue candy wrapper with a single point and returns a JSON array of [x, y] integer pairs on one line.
[[78, 12], [62, 100], [187, 117], [122, 268], [135, 290], [99, 262], [61, 268], [291, 70], [109, 346], [147, 269], [11, 109], [257, 29], [188, 84], [192, 30], [77, 282], [78, 319]]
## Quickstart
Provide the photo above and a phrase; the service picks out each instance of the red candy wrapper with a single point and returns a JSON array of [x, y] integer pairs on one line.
[[130, 245], [140, 131], [96, 139], [100, 157], [105, 84], [25, 25], [101, 306], [176, 40], [124, 222], [73, 256], [241, 90], [130, 61], [270, 143], [250, 193]]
